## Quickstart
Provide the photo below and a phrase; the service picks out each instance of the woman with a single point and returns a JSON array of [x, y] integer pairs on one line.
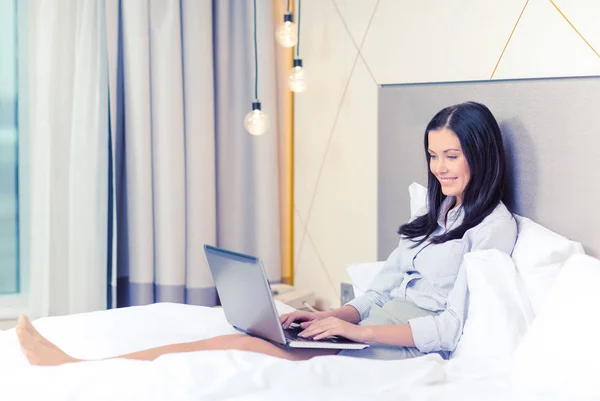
[[418, 302]]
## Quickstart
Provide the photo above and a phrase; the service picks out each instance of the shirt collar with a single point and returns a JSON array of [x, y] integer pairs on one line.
[[454, 216]]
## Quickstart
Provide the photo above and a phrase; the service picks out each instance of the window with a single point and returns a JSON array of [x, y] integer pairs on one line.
[[15, 296], [9, 217]]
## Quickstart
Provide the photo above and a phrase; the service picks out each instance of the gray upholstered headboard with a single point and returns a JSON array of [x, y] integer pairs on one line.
[[551, 130]]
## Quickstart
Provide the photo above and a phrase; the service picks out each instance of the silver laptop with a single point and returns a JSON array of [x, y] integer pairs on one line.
[[248, 304]]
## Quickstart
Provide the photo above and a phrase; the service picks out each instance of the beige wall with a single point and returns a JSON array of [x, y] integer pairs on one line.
[[349, 47]]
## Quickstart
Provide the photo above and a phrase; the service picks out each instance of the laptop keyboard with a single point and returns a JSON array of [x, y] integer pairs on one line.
[[292, 335]]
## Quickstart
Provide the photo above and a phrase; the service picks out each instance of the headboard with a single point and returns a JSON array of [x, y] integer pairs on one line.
[[551, 130]]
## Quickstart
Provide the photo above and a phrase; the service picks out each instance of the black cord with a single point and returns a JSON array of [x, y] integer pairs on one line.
[[298, 45], [255, 57]]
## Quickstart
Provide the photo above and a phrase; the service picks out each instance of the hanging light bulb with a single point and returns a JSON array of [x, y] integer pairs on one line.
[[297, 77], [257, 121], [286, 34]]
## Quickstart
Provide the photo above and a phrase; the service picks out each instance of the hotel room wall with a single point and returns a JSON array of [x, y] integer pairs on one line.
[[350, 47]]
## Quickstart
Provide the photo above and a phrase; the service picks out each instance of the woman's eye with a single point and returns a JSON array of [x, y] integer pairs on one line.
[[433, 157], [452, 157]]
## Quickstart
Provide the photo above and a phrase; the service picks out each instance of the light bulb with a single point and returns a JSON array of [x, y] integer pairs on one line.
[[286, 34], [257, 121], [297, 77]]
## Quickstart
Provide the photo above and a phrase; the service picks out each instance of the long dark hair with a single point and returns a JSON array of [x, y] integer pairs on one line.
[[481, 142]]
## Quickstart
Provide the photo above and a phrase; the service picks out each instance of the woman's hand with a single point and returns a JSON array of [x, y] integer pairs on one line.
[[301, 316], [332, 326]]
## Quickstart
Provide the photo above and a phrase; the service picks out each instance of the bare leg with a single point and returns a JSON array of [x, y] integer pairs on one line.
[[40, 351], [37, 349]]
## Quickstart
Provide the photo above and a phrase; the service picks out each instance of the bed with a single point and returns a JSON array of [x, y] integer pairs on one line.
[[236, 375], [213, 375], [539, 298]]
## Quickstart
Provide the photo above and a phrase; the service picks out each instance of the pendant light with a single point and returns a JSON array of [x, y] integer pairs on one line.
[[286, 33], [297, 75], [256, 121]]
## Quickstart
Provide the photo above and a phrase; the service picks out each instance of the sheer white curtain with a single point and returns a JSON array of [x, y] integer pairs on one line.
[[163, 129], [68, 155], [176, 79]]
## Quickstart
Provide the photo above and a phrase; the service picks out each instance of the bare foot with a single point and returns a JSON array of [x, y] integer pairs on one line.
[[38, 350]]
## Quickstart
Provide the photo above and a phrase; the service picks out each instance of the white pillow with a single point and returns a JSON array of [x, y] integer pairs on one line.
[[418, 199], [539, 254], [362, 275], [499, 312], [560, 350]]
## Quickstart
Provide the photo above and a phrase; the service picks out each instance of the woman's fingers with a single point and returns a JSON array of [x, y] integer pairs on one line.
[[289, 318], [325, 334], [284, 318], [317, 327], [320, 329]]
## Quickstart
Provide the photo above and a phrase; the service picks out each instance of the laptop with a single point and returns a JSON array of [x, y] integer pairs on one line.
[[248, 304]]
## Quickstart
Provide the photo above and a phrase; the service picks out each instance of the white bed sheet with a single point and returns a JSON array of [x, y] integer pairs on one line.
[[218, 375]]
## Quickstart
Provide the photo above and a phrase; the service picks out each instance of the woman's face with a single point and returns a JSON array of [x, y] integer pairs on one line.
[[448, 163]]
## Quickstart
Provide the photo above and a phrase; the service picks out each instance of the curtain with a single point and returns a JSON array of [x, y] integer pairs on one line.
[[67, 148], [184, 171], [248, 211]]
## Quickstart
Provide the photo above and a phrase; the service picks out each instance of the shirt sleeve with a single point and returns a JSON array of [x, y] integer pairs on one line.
[[442, 332], [386, 280]]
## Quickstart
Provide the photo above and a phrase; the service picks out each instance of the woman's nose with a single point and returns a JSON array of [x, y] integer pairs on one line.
[[441, 167]]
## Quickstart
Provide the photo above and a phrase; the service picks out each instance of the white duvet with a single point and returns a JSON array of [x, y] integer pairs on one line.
[[224, 375]]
